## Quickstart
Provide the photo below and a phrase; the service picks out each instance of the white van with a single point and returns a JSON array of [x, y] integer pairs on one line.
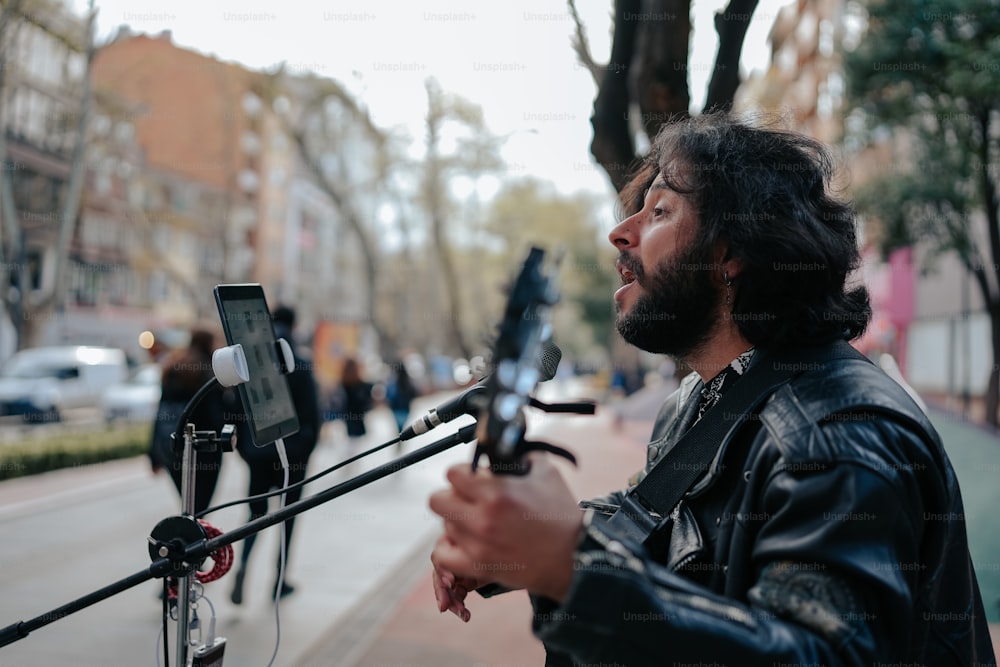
[[39, 383]]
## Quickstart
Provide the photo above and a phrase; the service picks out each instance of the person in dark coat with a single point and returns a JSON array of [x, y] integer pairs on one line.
[[399, 395], [185, 371], [356, 398], [266, 472]]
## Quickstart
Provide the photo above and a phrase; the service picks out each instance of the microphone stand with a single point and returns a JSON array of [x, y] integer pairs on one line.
[[183, 553], [184, 583], [193, 442]]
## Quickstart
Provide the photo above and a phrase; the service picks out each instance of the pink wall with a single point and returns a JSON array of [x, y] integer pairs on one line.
[[900, 307], [891, 286]]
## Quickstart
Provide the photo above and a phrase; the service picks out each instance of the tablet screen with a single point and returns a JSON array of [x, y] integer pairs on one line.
[[266, 398]]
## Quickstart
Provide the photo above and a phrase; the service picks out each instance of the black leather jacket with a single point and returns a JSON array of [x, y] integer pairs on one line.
[[828, 531]]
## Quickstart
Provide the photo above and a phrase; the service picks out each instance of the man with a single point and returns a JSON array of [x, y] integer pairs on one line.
[[828, 527]]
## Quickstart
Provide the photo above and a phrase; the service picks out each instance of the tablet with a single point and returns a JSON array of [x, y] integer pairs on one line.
[[266, 398]]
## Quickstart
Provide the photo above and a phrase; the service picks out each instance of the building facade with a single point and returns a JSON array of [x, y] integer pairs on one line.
[[42, 69], [213, 192]]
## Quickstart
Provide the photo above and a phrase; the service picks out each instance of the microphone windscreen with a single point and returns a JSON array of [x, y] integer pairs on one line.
[[551, 356]]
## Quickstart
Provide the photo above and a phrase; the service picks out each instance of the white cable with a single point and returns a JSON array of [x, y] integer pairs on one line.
[[159, 637], [279, 444], [211, 622]]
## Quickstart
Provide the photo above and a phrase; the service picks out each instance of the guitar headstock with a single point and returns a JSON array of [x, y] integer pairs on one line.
[[523, 332]]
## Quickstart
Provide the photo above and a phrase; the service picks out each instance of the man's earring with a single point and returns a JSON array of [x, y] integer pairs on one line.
[[729, 288]]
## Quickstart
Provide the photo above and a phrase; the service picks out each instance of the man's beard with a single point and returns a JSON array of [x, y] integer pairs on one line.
[[677, 311]]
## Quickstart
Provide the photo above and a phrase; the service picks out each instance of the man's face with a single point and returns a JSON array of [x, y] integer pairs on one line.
[[670, 297]]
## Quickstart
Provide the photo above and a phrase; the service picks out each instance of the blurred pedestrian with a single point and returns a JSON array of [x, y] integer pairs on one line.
[[185, 371], [399, 394], [266, 472], [355, 397]]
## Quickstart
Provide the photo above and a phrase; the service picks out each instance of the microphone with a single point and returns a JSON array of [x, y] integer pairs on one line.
[[465, 404]]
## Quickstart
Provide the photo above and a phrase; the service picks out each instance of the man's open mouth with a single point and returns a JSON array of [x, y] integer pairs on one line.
[[627, 274]]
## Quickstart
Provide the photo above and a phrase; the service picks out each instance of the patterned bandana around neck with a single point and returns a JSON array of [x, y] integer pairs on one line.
[[717, 386]]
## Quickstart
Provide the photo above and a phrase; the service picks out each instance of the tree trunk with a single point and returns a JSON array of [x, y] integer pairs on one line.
[[353, 220], [434, 195], [992, 398], [658, 75], [993, 225], [649, 71], [454, 317], [612, 144]]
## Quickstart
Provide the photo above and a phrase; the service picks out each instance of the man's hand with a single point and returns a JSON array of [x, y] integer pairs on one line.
[[518, 531]]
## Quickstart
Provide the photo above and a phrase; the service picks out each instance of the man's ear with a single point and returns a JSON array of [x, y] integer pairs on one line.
[[729, 265]]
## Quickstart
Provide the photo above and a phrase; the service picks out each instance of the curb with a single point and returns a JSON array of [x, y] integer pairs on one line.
[[358, 628]]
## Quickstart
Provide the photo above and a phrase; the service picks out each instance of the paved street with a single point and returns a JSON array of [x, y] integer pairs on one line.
[[70, 532]]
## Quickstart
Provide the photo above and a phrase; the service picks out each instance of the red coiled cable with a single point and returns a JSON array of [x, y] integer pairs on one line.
[[222, 558]]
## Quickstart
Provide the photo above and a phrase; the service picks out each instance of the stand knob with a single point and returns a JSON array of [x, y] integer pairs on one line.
[[170, 538]]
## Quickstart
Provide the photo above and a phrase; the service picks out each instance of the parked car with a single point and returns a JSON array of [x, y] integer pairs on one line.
[[135, 399], [40, 383]]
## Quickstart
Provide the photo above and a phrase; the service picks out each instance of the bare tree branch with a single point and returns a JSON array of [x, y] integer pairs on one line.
[[326, 89], [731, 25], [320, 93], [354, 222], [581, 46]]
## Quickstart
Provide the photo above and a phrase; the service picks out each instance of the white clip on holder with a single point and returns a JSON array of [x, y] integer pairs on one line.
[[230, 365], [285, 356]]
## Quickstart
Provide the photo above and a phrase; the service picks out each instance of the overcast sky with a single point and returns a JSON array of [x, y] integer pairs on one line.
[[513, 58]]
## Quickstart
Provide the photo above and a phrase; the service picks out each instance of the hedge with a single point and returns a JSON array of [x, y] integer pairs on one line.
[[42, 453]]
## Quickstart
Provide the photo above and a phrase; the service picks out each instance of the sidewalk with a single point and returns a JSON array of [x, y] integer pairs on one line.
[[400, 624]]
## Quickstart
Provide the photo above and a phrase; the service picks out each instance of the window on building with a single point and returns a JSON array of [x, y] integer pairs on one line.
[[86, 282], [33, 270], [102, 177], [178, 199], [158, 287], [37, 194]]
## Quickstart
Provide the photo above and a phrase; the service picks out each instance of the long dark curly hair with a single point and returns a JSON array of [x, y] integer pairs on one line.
[[768, 195]]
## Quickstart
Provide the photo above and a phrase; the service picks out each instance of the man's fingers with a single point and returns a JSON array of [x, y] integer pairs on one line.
[[450, 557], [462, 519], [450, 598], [450, 586], [440, 591], [467, 484], [460, 610], [448, 505]]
